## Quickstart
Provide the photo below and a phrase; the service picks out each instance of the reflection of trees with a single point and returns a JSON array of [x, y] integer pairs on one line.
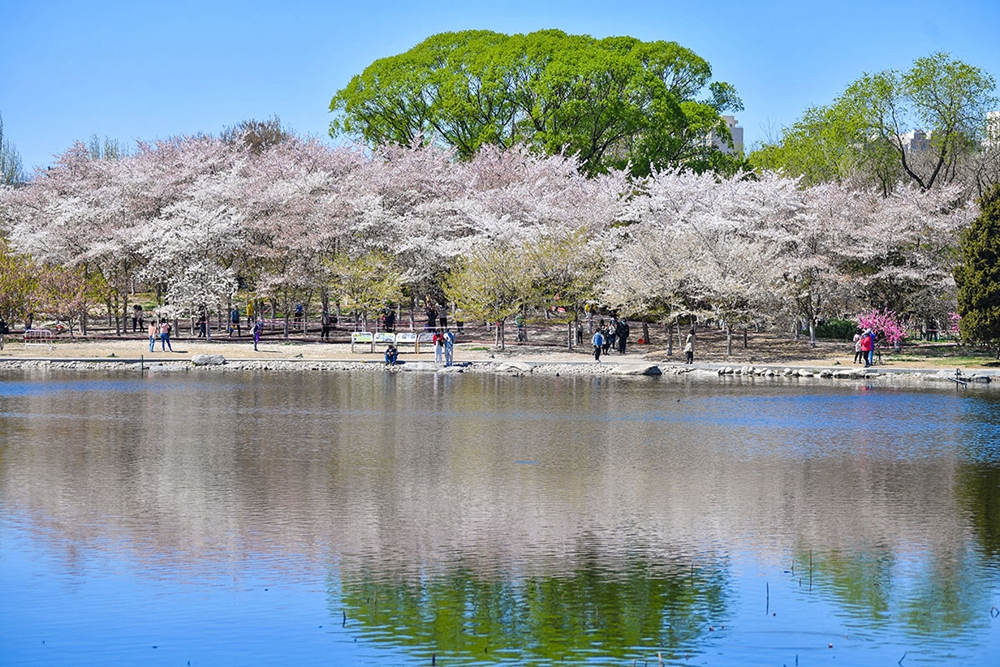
[[863, 580], [947, 600], [878, 588], [595, 609], [979, 489]]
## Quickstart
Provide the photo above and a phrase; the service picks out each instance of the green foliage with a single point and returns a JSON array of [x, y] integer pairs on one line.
[[836, 329], [367, 282], [18, 281], [612, 101], [820, 147], [491, 284], [860, 135], [978, 277], [565, 270]]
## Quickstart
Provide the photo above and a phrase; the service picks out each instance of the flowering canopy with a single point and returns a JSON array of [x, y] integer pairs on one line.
[[195, 218]]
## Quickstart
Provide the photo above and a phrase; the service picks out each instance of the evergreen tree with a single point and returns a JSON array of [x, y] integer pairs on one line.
[[978, 276]]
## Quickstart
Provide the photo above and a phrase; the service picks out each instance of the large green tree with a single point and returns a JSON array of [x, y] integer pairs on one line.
[[612, 101], [867, 133], [978, 277]]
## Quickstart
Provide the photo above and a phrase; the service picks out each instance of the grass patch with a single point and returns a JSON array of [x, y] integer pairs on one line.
[[945, 354]]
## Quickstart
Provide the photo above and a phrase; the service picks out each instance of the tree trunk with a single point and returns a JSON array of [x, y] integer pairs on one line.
[[745, 338], [569, 334], [125, 312], [729, 339], [645, 331], [670, 339], [812, 333]]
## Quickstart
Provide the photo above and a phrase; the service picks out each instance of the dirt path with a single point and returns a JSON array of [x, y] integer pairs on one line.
[[710, 348]]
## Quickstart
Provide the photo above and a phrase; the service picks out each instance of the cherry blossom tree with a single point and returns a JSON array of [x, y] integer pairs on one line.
[[195, 218]]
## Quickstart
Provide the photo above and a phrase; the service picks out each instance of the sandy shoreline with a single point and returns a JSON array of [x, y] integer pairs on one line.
[[132, 355]]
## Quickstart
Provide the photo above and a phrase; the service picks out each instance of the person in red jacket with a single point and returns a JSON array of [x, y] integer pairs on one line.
[[867, 343]]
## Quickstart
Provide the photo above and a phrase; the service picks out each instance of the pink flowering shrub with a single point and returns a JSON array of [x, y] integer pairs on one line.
[[954, 319], [885, 325]]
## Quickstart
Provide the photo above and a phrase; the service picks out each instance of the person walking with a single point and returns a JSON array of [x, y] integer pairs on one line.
[[4, 329], [250, 314], [598, 342], [325, 323], [857, 346], [234, 322], [622, 335], [258, 326], [689, 349], [165, 336], [442, 316], [154, 333], [432, 315]]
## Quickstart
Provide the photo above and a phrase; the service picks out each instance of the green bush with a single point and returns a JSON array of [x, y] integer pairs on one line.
[[836, 329]]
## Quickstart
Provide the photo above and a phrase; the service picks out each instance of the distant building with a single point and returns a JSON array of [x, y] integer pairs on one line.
[[916, 141], [736, 131]]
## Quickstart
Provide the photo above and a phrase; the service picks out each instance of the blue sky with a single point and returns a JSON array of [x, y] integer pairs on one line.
[[148, 69]]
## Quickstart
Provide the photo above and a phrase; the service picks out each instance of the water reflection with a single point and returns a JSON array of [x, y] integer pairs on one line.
[[525, 519], [630, 607]]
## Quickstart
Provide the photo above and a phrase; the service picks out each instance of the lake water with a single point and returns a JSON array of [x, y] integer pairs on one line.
[[211, 518]]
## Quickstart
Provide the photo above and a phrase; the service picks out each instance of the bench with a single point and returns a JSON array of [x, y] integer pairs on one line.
[[363, 338], [38, 337]]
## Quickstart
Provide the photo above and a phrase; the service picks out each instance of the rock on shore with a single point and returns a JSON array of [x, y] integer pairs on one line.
[[636, 368]]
